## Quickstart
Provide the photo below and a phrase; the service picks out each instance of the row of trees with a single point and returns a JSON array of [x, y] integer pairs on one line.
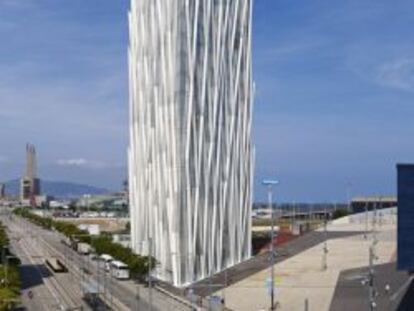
[[9, 274], [102, 244], [341, 212]]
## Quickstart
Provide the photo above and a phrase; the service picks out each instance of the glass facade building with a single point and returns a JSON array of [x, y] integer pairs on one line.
[[405, 259]]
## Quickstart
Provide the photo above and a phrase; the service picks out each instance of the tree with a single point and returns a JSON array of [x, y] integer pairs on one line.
[[102, 244], [342, 212]]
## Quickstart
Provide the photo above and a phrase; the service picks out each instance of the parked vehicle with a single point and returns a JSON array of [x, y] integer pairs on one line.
[[107, 259], [119, 270], [66, 241], [83, 248], [94, 256], [74, 243], [55, 265]]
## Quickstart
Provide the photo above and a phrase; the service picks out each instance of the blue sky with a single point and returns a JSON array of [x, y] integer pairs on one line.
[[334, 102]]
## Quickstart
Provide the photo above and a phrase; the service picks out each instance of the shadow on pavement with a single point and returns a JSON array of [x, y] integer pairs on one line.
[[407, 302], [31, 275]]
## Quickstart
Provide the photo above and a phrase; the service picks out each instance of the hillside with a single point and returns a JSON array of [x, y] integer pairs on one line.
[[59, 189]]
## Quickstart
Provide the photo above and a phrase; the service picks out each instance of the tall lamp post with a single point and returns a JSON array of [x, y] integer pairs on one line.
[[270, 183], [348, 194]]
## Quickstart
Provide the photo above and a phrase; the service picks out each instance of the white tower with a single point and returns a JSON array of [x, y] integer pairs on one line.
[[191, 153]]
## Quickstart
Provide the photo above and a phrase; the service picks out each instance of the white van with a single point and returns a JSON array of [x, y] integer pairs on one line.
[[107, 259], [83, 248], [119, 270]]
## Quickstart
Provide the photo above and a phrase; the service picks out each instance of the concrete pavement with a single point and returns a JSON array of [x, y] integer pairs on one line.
[[301, 276]]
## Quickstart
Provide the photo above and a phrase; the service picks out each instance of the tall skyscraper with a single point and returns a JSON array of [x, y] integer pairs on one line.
[[191, 153], [30, 184]]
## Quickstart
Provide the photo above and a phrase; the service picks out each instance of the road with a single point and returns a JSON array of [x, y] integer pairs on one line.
[[41, 289], [118, 295]]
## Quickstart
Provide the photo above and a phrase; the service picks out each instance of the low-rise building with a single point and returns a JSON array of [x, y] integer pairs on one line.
[[360, 204]]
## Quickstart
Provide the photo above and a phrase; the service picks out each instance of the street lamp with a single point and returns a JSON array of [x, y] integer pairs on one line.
[[325, 243], [348, 195], [270, 183]]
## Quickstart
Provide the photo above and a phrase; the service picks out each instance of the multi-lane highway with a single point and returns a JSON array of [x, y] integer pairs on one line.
[[41, 288], [44, 290]]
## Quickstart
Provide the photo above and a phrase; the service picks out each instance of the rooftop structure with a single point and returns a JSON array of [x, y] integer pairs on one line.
[[190, 153], [359, 204]]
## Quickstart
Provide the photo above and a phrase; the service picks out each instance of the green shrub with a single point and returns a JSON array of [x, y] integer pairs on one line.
[[342, 212], [10, 290]]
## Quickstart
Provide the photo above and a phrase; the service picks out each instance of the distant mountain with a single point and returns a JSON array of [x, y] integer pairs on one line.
[[59, 189]]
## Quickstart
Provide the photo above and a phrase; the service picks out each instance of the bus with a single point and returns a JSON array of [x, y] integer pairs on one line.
[[55, 265], [107, 261], [119, 270]]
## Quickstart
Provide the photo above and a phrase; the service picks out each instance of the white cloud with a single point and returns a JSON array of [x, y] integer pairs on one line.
[[71, 162], [389, 71], [397, 74], [16, 4], [80, 162]]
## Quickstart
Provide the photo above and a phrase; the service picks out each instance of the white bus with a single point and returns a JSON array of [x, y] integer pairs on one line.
[[119, 270], [107, 259]]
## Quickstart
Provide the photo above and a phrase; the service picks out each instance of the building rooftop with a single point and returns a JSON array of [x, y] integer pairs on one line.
[[375, 199]]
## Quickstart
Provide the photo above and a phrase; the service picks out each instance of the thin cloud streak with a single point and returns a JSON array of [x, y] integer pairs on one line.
[[84, 163], [80, 162], [397, 74]]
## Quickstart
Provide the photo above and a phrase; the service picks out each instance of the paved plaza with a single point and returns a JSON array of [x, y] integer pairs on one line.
[[301, 276]]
